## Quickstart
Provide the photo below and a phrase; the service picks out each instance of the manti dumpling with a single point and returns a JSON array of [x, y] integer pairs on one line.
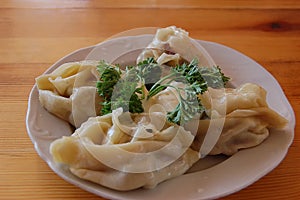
[[170, 44], [245, 114], [69, 92], [126, 151]]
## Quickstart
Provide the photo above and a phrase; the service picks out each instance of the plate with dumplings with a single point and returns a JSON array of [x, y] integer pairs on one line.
[[156, 116]]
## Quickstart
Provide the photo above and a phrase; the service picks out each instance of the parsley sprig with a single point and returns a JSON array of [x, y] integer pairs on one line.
[[196, 80], [126, 89], [109, 77]]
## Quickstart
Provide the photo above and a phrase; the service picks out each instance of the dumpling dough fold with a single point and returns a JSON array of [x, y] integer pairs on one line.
[[101, 152], [69, 92], [246, 116], [172, 45]]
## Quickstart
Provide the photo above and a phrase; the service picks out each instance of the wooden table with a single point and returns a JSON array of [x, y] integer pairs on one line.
[[34, 34]]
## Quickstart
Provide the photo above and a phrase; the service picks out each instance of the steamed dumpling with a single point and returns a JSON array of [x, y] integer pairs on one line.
[[226, 100], [245, 114], [69, 92], [172, 45], [125, 154]]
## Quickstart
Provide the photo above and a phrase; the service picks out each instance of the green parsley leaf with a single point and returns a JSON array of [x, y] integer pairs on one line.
[[109, 76], [197, 80]]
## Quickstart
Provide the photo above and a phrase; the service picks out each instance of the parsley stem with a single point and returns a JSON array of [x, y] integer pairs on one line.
[[157, 87]]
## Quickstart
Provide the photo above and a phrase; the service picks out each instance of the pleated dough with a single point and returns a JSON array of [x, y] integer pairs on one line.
[[246, 116], [125, 154], [172, 45], [69, 92]]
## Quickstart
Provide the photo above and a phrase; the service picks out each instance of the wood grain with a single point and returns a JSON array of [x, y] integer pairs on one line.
[[34, 34], [151, 4]]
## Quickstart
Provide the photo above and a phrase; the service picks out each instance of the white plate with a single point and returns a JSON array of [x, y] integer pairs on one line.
[[223, 178]]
